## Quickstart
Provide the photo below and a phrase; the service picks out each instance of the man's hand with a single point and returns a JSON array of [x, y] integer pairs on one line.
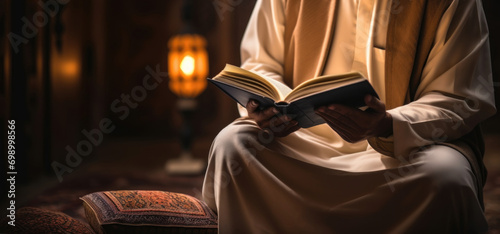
[[353, 124], [271, 120]]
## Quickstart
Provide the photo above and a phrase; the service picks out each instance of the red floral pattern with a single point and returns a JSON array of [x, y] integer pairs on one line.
[[136, 200], [148, 211], [36, 220]]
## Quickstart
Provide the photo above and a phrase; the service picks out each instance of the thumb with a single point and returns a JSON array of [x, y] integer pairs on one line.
[[252, 106], [374, 103]]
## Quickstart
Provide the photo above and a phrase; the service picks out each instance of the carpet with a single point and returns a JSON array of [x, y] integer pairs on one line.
[[65, 196]]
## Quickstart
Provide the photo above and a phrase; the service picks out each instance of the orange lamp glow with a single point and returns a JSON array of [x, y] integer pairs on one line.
[[70, 68], [187, 65]]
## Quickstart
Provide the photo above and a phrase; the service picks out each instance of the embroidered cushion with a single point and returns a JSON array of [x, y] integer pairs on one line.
[[36, 220], [138, 211]]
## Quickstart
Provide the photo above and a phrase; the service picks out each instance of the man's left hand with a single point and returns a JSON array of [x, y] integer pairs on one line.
[[353, 124]]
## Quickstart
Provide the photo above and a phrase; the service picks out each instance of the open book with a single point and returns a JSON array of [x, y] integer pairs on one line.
[[347, 89]]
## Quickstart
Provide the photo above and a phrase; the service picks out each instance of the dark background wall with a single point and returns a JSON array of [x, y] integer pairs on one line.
[[491, 8], [64, 79], [66, 76]]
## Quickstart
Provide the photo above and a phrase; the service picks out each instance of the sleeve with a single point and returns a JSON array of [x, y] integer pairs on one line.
[[456, 90], [262, 47]]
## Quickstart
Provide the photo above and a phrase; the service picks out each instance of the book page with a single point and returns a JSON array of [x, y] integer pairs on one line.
[[283, 89], [244, 79], [253, 87], [323, 83]]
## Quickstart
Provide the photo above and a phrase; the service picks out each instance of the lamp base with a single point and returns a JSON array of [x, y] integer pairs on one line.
[[186, 104], [185, 165]]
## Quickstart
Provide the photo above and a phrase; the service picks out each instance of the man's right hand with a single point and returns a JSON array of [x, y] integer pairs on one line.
[[271, 120]]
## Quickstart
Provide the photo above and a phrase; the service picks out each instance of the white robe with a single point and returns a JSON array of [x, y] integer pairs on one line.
[[313, 181]]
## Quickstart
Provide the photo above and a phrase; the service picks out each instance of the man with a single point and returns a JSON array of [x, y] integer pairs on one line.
[[411, 162]]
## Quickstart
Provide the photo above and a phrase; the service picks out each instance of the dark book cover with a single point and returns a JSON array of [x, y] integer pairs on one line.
[[302, 109]]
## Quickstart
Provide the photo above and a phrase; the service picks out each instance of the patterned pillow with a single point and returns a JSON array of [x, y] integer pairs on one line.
[[36, 220], [137, 211]]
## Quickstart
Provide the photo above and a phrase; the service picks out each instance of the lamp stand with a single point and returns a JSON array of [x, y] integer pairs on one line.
[[186, 164]]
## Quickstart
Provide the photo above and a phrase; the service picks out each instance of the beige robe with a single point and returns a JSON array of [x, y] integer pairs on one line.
[[261, 184]]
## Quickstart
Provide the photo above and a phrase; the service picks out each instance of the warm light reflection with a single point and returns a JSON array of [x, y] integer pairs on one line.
[[70, 68], [187, 65]]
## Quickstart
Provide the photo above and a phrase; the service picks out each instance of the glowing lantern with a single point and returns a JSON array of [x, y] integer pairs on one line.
[[187, 65], [188, 71]]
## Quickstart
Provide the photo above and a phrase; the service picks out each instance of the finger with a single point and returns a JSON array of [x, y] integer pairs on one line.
[[342, 110], [291, 127], [251, 107], [339, 126], [266, 117], [260, 116], [340, 132], [346, 135], [269, 112], [340, 114], [280, 120], [374, 103]]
